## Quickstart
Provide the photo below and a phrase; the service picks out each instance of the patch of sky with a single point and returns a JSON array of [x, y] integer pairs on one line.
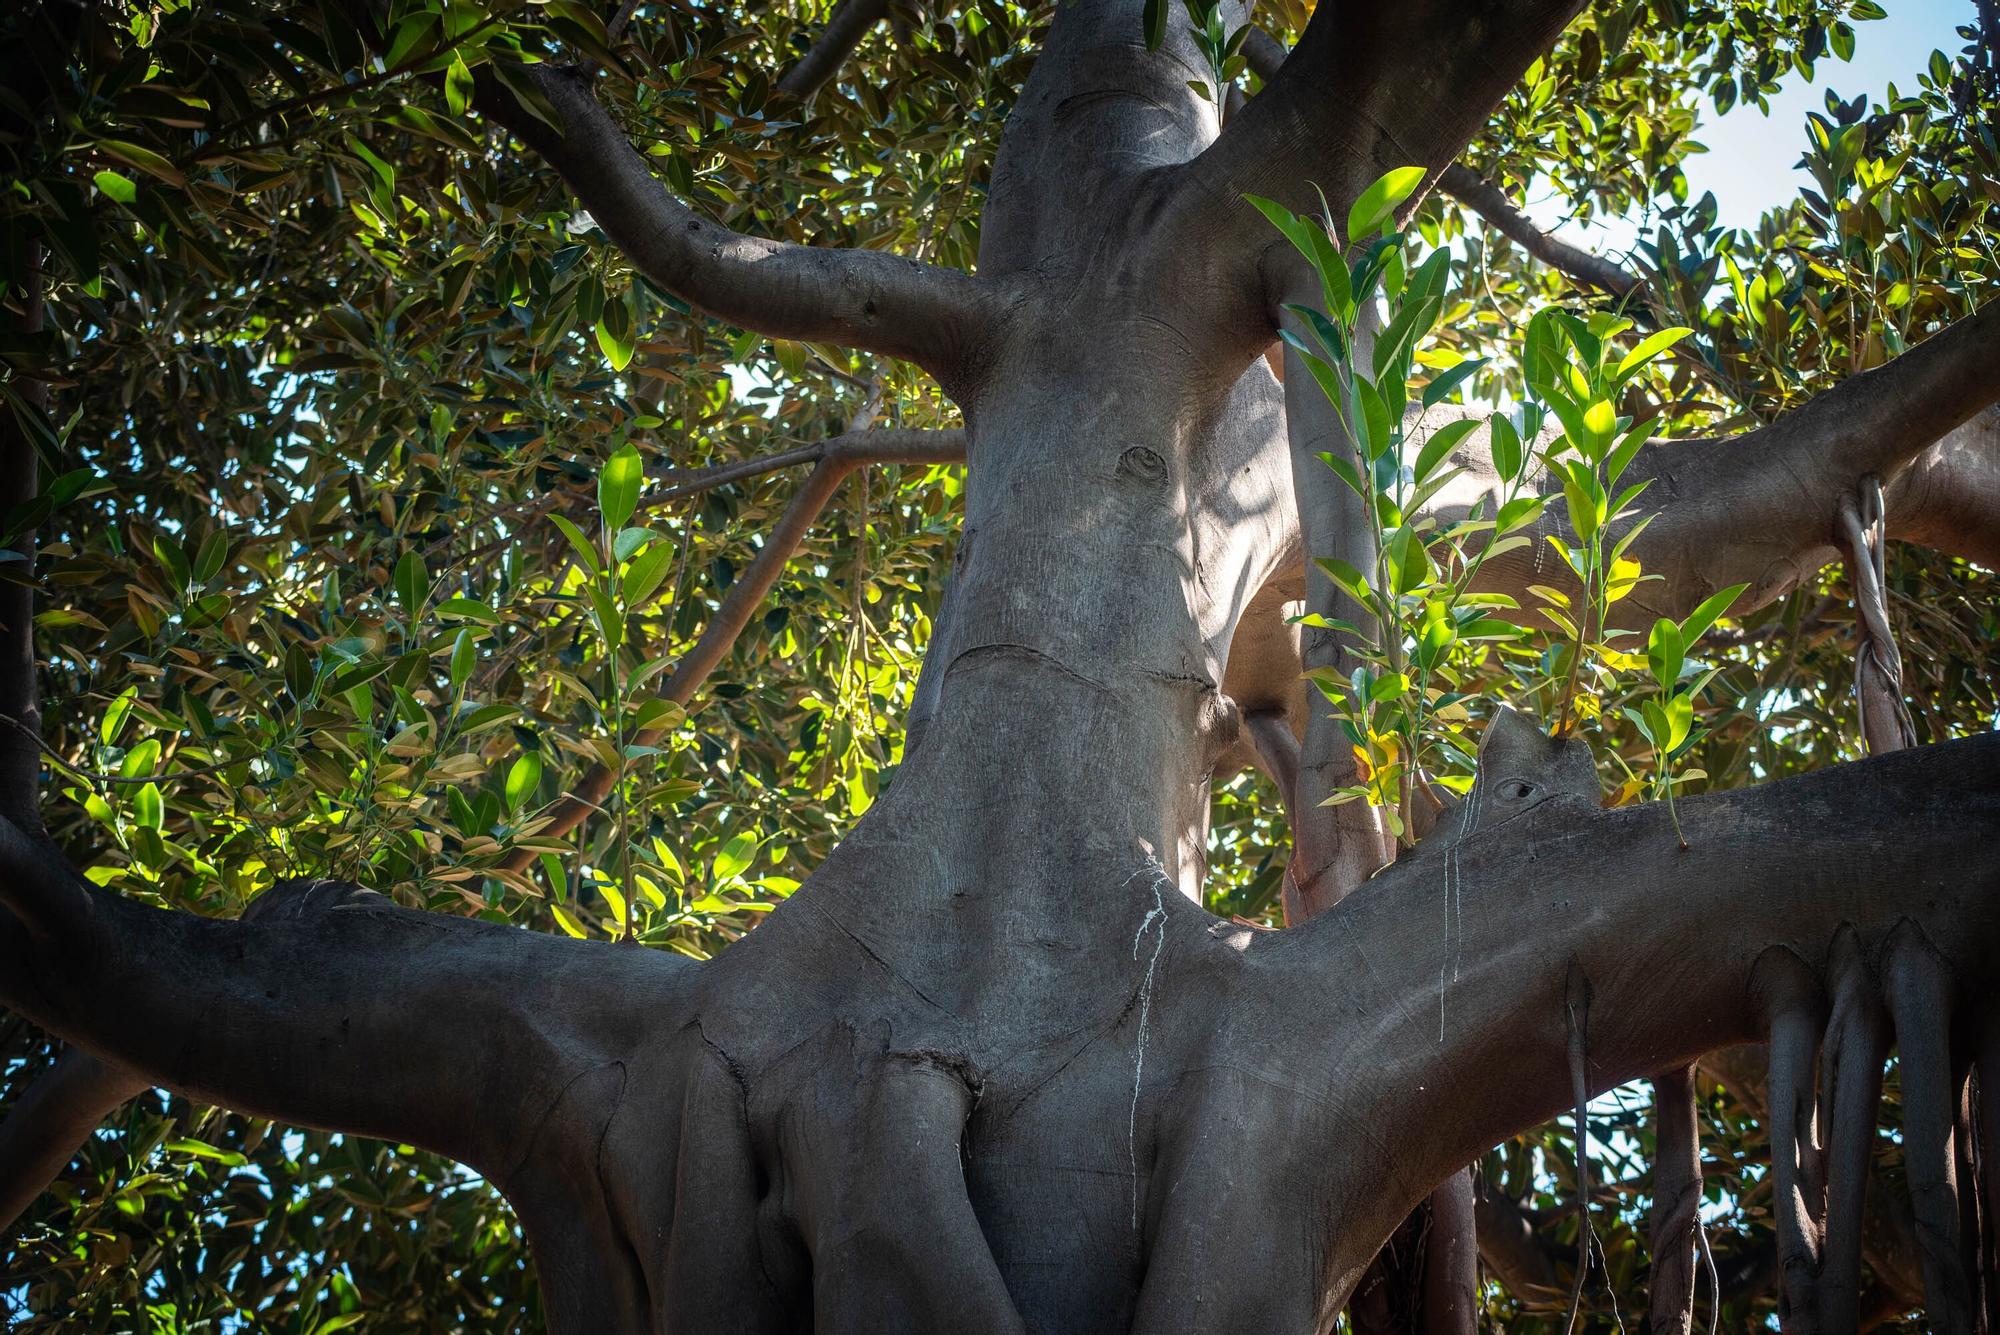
[[1752, 163]]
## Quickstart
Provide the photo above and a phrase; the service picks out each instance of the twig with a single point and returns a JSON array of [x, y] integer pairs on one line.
[[94, 776], [853, 448]]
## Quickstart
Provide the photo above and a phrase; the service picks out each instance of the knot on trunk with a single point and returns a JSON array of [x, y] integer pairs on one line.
[[1143, 464]]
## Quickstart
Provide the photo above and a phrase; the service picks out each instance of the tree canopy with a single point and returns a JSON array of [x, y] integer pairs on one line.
[[385, 506]]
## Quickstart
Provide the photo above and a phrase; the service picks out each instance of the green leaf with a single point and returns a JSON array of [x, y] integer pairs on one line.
[[468, 609], [1439, 446], [412, 582], [1712, 607], [628, 541], [464, 656], [1155, 20], [567, 923], [1332, 339], [1584, 515], [201, 1150], [1377, 430], [585, 549], [149, 810], [175, 560], [1350, 581], [1665, 652], [1344, 470], [1600, 419], [735, 856], [1377, 204], [115, 715], [646, 573], [610, 622], [1517, 513], [1323, 375], [1650, 347], [1678, 716], [614, 898], [145, 159], [1441, 387], [618, 486], [117, 188], [457, 85], [141, 760], [615, 337], [1409, 562], [1507, 453], [209, 560], [524, 776], [657, 715]]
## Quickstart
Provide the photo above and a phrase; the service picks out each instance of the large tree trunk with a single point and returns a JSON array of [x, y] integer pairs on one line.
[[993, 1068]]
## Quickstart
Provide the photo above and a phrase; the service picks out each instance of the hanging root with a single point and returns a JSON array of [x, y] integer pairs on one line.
[[1857, 1041], [1451, 1261], [1576, 1010], [1986, 1086], [1793, 1006], [1965, 1171], [1920, 1005], [1676, 1202]]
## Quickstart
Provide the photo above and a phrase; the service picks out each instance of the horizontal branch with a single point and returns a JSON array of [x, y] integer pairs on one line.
[[329, 1006], [1762, 508], [857, 298], [1897, 846]]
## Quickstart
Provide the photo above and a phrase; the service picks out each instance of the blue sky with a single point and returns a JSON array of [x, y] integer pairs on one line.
[[1750, 160]]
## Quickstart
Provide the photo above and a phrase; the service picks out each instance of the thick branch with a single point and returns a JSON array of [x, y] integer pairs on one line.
[[850, 23], [1896, 845], [1368, 88], [331, 1007], [1265, 55], [857, 298], [46, 1126]]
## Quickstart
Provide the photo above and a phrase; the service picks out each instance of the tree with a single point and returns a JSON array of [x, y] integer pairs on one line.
[[374, 484]]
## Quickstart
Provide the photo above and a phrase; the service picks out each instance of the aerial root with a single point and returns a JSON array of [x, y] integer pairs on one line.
[[1857, 1042], [1451, 1261], [868, 1141], [1920, 1006], [1986, 1086], [1676, 1202], [1965, 1171], [1793, 1003], [1576, 1012]]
